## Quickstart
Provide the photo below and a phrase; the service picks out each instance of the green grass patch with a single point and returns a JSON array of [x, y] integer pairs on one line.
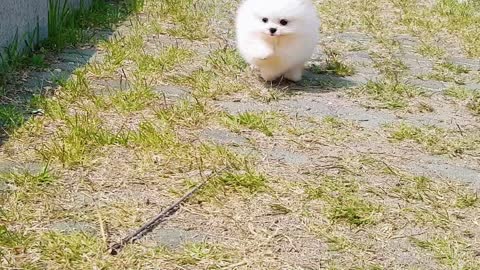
[[389, 94], [12, 245], [206, 84], [458, 18], [450, 252], [457, 92], [198, 253], [185, 156], [334, 65], [339, 68], [28, 179], [432, 51], [343, 201], [77, 87], [185, 113], [471, 98], [447, 72], [10, 59], [336, 129], [30, 186], [10, 117], [76, 142], [10, 239], [201, 81], [164, 62], [250, 182], [244, 183], [426, 190], [390, 66], [60, 251], [218, 156], [474, 103], [135, 99], [68, 27], [467, 200], [434, 139], [227, 61], [335, 240], [461, 20], [53, 108], [265, 122], [354, 210], [150, 137], [190, 17], [336, 18], [118, 50], [415, 188], [330, 129], [456, 69]]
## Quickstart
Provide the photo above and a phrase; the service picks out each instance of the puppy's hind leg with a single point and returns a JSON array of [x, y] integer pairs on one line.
[[295, 73]]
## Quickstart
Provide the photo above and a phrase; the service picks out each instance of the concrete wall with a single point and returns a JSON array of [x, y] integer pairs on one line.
[[23, 15]]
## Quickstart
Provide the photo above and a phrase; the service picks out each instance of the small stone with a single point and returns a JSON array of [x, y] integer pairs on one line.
[[38, 112], [57, 70], [6, 187]]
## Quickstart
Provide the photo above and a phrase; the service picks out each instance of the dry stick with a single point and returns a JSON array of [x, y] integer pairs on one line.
[[148, 227], [102, 224]]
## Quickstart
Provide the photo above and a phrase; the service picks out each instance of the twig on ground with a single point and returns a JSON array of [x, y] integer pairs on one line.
[[149, 226], [101, 223]]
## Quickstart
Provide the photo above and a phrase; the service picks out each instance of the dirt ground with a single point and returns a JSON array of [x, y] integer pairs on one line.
[[372, 161]]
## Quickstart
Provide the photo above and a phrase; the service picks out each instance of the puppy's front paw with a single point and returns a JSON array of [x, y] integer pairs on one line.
[[263, 53], [268, 75]]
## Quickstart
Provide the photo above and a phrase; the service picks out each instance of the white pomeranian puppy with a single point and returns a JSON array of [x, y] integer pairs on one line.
[[277, 36]]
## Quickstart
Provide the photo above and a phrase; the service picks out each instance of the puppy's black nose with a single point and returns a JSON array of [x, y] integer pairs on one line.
[[273, 30]]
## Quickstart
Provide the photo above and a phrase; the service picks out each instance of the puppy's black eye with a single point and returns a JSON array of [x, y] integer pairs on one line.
[[265, 20], [283, 22]]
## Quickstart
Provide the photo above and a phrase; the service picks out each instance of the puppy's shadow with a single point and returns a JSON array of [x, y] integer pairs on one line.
[[314, 80]]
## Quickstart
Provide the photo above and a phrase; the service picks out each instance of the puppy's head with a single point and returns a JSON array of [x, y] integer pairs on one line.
[[277, 18]]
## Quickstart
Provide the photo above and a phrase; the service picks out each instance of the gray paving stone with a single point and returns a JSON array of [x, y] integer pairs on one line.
[[332, 107], [221, 136], [173, 92], [16, 167], [359, 57], [354, 36], [287, 157], [435, 86], [69, 227], [473, 64], [172, 238], [234, 107], [416, 64], [437, 167]]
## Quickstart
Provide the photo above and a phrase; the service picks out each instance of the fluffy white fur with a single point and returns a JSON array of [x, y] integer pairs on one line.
[[285, 51]]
